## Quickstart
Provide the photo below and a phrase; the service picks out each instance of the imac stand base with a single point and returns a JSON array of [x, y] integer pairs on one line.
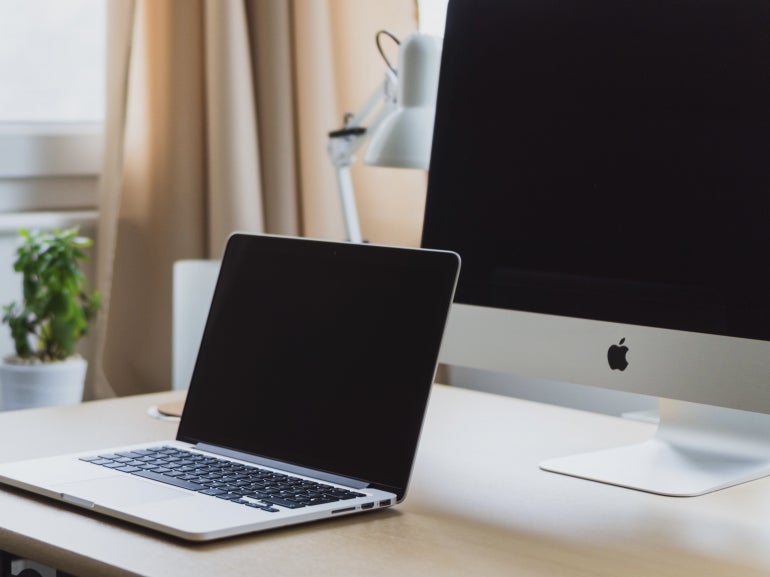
[[697, 449]]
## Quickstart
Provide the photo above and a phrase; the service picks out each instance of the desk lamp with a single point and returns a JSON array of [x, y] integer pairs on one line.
[[400, 132]]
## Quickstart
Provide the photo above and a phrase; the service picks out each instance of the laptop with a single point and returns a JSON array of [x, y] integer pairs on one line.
[[306, 400]]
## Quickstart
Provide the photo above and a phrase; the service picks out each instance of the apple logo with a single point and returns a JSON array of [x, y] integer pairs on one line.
[[616, 356]]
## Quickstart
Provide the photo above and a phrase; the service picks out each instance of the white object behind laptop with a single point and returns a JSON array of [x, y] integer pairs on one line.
[[193, 286]]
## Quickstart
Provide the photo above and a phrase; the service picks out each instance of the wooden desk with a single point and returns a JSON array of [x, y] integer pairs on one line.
[[478, 505]]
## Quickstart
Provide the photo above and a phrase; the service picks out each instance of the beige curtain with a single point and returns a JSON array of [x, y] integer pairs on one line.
[[217, 117]]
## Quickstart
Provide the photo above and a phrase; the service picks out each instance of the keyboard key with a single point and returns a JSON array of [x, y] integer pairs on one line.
[[321, 500], [91, 459], [256, 495], [282, 502], [130, 454], [263, 506], [228, 496], [169, 480], [213, 492], [143, 452], [98, 461]]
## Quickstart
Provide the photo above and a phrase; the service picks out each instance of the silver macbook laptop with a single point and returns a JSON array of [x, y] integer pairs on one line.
[[306, 400]]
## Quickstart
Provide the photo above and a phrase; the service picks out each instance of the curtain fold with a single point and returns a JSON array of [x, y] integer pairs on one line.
[[120, 26], [272, 53], [218, 114], [234, 183]]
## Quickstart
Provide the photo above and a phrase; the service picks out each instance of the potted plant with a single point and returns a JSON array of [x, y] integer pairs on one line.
[[53, 316]]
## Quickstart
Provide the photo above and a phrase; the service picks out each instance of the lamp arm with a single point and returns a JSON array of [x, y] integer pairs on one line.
[[385, 92], [345, 142]]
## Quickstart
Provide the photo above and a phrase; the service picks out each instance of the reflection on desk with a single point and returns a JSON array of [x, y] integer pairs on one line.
[[478, 504]]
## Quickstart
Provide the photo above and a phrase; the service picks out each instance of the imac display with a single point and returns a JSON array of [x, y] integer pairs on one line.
[[603, 169]]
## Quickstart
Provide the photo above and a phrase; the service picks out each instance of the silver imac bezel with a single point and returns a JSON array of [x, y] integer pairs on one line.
[[714, 428]]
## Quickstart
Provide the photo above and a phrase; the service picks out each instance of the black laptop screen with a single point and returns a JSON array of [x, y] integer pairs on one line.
[[321, 354]]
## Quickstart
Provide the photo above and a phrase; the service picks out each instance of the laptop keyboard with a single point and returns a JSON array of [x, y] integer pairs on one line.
[[244, 484]]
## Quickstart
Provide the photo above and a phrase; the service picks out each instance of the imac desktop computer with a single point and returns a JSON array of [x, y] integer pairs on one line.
[[603, 169]]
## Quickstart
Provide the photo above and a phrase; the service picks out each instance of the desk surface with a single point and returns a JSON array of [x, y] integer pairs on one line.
[[477, 505]]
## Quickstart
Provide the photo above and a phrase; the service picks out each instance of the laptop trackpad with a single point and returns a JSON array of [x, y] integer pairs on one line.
[[116, 491]]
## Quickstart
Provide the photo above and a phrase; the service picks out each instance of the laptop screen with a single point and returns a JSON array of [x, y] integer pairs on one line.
[[321, 354]]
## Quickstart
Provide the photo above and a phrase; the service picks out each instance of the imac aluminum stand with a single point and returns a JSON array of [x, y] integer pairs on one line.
[[697, 449]]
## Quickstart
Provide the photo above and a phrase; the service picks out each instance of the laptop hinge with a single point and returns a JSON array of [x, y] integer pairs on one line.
[[274, 464]]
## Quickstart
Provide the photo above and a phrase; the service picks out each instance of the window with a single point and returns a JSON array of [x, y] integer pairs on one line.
[[51, 102]]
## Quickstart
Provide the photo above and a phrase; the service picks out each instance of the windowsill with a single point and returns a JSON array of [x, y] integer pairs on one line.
[[49, 166], [12, 222], [49, 128], [34, 150]]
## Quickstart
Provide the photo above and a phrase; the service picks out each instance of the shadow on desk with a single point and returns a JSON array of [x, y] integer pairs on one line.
[[463, 544]]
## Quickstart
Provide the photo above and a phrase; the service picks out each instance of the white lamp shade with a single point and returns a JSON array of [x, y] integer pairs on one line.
[[404, 137]]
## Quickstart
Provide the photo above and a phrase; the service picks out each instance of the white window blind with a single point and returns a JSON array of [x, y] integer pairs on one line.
[[51, 102]]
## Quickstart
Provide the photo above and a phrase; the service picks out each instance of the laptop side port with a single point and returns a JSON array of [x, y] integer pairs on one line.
[[345, 510]]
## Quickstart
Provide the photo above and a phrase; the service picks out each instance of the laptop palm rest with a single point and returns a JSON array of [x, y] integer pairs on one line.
[[116, 491]]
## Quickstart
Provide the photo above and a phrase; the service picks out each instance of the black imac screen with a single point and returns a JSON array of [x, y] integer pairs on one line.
[[608, 159]]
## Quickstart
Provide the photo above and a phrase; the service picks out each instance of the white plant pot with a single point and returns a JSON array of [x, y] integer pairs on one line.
[[24, 386]]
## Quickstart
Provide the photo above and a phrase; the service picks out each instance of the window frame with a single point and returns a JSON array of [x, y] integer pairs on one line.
[[49, 166]]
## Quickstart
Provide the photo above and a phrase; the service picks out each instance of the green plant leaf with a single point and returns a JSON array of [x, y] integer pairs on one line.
[[57, 305]]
